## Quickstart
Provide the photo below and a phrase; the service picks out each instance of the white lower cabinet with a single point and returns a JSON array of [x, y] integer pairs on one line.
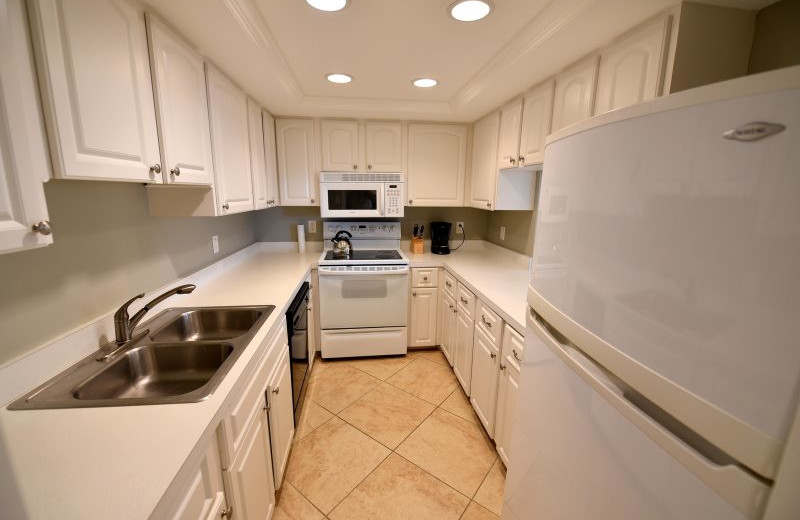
[[204, 497], [507, 391], [447, 325], [249, 478], [281, 415], [424, 303], [485, 362], [462, 364]]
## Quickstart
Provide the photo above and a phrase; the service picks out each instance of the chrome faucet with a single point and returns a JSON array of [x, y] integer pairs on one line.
[[123, 325]]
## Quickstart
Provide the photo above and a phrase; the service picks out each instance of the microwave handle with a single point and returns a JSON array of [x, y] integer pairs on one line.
[[381, 200]]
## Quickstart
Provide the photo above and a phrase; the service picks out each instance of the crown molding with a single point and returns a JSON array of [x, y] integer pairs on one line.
[[392, 106]]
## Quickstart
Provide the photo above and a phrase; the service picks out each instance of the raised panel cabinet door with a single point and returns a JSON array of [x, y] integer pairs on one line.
[[204, 498], [250, 477], [281, 416], [574, 93], [484, 162], [436, 164], [95, 73], [485, 360], [23, 151], [340, 146], [445, 321], [181, 107], [537, 115], [296, 170], [227, 105], [384, 146], [422, 329], [463, 347], [270, 159], [258, 158], [506, 404], [632, 70], [508, 155]]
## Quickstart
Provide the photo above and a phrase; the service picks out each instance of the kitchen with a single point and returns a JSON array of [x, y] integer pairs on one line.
[[190, 165]]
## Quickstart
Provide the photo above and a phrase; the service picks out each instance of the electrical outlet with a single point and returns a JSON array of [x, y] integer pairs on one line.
[[459, 228], [312, 226], [215, 243], [502, 233]]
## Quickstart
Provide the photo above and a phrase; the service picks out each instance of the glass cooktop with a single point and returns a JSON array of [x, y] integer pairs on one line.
[[368, 254]]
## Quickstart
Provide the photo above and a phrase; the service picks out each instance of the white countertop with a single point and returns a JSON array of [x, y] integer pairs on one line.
[[117, 462]]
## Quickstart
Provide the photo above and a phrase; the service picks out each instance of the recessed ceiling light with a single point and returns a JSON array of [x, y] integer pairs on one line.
[[470, 10], [425, 82], [339, 78], [327, 5]]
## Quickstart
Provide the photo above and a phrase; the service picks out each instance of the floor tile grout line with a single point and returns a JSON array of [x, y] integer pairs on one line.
[[302, 495]]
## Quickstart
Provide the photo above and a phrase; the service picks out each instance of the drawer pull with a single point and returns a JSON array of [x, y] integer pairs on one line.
[[463, 300], [502, 366], [227, 513], [277, 390], [493, 355], [448, 284], [487, 323], [516, 356]]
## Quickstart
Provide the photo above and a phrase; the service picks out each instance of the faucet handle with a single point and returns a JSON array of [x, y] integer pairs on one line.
[[124, 307]]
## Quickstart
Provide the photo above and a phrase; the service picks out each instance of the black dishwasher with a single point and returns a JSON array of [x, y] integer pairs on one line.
[[297, 328]]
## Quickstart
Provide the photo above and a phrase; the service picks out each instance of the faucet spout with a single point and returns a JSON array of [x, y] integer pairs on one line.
[[123, 325]]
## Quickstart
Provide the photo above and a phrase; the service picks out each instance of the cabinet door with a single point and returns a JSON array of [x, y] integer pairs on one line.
[[463, 350], [181, 107], [574, 93], [436, 164], [506, 404], [384, 144], [340, 151], [270, 158], [23, 153], [230, 138], [204, 498], [445, 322], [484, 162], [632, 70], [249, 479], [96, 85], [281, 416], [296, 171], [485, 360], [537, 114], [422, 326], [258, 159], [508, 155]]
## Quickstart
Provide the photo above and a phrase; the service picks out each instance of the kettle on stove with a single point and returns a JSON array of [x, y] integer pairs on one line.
[[341, 244]]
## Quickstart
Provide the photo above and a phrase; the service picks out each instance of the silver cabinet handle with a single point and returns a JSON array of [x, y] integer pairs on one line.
[[227, 512], [175, 171], [493, 355], [156, 168], [516, 356], [226, 206], [42, 227]]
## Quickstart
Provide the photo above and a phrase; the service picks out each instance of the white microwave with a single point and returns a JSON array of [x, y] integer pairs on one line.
[[358, 195]]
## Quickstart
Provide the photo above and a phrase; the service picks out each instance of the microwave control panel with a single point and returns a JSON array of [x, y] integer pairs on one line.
[[394, 200]]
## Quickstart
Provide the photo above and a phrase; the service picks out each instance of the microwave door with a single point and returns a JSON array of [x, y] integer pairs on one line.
[[351, 199]]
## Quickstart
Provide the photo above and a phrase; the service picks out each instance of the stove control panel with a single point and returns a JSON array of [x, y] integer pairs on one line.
[[364, 230]]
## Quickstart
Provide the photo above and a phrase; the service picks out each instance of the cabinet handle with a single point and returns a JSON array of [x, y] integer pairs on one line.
[[516, 356], [493, 355], [226, 206], [488, 204], [276, 390], [450, 305], [512, 160], [521, 159], [410, 201], [369, 166], [483, 320], [226, 513], [425, 278], [448, 284], [42, 227], [355, 166], [502, 366], [414, 293], [463, 300], [175, 171], [312, 201], [156, 168]]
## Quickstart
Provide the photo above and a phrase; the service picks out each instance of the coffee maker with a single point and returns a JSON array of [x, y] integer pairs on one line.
[[440, 238]]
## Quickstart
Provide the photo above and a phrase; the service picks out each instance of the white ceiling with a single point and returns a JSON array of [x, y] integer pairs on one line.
[[279, 51]]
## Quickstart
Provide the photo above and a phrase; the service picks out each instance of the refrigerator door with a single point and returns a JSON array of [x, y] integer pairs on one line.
[[669, 253], [583, 450]]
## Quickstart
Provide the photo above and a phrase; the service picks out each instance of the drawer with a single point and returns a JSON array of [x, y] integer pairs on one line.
[[251, 399], [489, 321], [513, 347], [425, 277], [449, 283], [466, 301]]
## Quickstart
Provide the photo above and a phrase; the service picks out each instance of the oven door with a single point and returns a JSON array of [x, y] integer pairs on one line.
[[351, 199], [363, 297]]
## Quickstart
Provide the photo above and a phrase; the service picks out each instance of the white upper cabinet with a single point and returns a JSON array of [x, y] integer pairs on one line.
[[297, 176], [340, 150], [510, 125], [258, 158], [230, 139], [436, 164], [93, 65], [270, 158], [537, 113], [181, 106], [632, 70], [23, 152], [574, 93], [484, 161], [384, 146]]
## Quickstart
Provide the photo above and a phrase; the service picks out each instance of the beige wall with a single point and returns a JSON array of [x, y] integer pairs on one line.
[[519, 230], [776, 43], [106, 248]]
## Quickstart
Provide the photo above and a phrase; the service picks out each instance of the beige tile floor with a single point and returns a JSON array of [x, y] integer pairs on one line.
[[390, 438]]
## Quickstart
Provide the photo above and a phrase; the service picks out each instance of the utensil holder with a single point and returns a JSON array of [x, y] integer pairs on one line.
[[417, 245]]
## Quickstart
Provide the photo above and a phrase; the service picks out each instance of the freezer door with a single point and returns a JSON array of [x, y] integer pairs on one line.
[[581, 451], [680, 248]]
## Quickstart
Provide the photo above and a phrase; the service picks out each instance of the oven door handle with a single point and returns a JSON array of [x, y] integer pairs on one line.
[[333, 272]]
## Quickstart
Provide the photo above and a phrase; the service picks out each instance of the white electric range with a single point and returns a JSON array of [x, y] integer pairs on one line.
[[363, 298]]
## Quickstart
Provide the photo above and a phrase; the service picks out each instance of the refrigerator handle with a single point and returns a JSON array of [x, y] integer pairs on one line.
[[720, 472]]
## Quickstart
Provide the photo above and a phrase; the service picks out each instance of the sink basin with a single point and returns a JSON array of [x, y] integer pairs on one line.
[[156, 371], [208, 325]]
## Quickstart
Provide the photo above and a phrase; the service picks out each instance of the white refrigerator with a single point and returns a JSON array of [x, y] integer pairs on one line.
[[661, 370]]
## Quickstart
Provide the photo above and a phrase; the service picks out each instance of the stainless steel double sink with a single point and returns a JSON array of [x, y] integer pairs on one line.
[[182, 361]]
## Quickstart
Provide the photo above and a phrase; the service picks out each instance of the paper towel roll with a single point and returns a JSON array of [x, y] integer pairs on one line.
[[301, 238]]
